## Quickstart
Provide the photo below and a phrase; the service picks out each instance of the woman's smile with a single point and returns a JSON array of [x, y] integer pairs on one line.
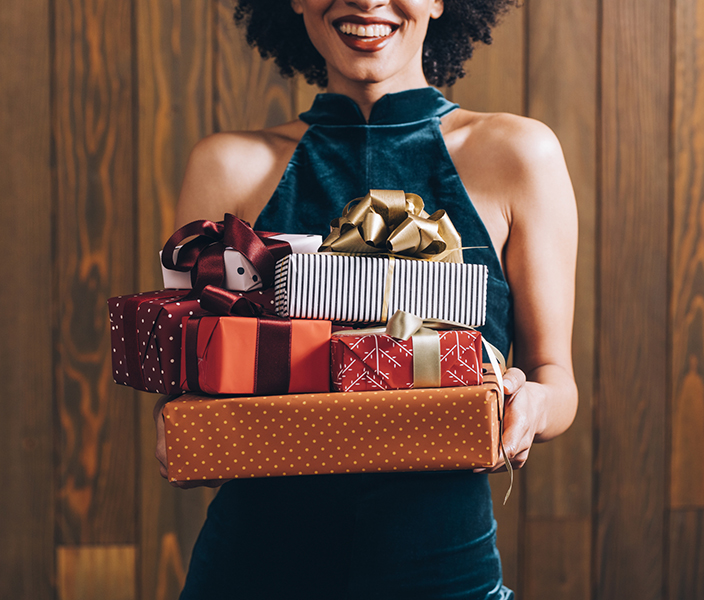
[[366, 42], [364, 34]]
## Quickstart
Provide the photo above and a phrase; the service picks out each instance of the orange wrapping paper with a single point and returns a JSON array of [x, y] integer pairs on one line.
[[227, 355], [343, 432]]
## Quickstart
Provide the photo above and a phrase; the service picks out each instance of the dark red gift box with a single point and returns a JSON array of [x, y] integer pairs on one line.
[[146, 333]]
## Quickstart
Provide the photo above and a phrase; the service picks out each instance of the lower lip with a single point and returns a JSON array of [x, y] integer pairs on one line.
[[365, 45]]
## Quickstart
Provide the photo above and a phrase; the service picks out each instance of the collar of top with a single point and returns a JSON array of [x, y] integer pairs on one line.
[[392, 109]]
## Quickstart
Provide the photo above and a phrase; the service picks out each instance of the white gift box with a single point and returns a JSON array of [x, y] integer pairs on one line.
[[353, 289], [240, 275]]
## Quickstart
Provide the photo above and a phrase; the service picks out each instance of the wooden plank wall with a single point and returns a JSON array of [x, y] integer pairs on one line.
[[100, 103]]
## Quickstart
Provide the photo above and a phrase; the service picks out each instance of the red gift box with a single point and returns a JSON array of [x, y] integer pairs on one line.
[[380, 362], [239, 355], [146, 336]]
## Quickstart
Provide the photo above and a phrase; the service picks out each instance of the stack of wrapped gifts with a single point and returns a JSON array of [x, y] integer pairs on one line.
[[287, 355]]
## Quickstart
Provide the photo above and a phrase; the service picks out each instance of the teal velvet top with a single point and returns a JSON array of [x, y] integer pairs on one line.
[[341, 157], [362, 536]]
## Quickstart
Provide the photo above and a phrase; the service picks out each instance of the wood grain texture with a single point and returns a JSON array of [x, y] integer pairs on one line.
[[250, 93], [175, 48], [632, 320], [303, 95], [686, 573], [90, 572], [495, 80], [26, 469], [175, 58], [496, 83], [687, 299], [567, 574], [562, 65], [93, 261]]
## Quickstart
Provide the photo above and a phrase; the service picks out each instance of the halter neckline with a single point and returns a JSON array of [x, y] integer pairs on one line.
[[392, 109]]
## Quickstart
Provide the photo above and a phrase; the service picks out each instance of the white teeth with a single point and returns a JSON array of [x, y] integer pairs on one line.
[[369, 31]]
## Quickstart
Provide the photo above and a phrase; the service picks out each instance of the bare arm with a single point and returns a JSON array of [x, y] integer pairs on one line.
[[516, 175], [540, 262]]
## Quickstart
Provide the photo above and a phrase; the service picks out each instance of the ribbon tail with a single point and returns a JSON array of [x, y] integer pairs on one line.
[[494, 355], [507, 462]]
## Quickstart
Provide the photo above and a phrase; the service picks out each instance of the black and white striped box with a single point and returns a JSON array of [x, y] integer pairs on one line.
[[350, 289]]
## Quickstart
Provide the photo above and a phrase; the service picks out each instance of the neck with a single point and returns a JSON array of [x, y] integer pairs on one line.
[[366, 94]]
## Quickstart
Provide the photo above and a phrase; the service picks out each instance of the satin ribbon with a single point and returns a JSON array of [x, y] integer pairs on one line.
[[392, 221], [426, 359], [203, 255], [273, 345], [222, 302]]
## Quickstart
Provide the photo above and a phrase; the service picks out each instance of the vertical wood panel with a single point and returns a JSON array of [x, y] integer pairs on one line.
[[495, 82], [562, 66], [686, 536], [303, 95], [93, 260], [633, 300], [557, 559], [686, 577], [175, 58], [250, 93], [95, 572], [688, 258], [175, 50], [26, 469]]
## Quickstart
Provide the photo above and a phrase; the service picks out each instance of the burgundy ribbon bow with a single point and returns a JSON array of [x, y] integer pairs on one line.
[[203, 255]]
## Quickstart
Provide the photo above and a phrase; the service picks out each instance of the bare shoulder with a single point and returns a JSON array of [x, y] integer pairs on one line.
[[510, 164], [236, 172], [507, 148]]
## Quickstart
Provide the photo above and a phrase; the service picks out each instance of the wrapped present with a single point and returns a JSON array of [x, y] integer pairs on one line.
[[378, 361], [203, 257], [238, 355], [363, 289], [343, 432], [240, 274], [146, 333]]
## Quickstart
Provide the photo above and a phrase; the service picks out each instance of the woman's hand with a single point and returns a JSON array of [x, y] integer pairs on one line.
[[523, 418], [529, 405], [160, 452]]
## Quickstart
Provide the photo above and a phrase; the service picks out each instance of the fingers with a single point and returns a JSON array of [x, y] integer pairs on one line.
[[514, 380], [518, 425], [160, 450]]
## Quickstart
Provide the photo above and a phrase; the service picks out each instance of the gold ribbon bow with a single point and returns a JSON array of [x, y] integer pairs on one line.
[[426, 358], [393, 222]]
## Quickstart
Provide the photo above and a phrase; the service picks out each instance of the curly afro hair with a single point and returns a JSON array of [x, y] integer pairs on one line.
[[278, 32]]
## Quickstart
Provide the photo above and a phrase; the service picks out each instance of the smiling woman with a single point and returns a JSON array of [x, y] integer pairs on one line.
[[503, 180], [447, 46]]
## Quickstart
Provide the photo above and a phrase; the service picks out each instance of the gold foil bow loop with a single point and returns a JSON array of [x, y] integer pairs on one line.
[[392, 221]]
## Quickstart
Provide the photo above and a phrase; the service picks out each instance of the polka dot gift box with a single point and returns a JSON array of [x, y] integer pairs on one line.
[[343, 432], [145, 335]]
